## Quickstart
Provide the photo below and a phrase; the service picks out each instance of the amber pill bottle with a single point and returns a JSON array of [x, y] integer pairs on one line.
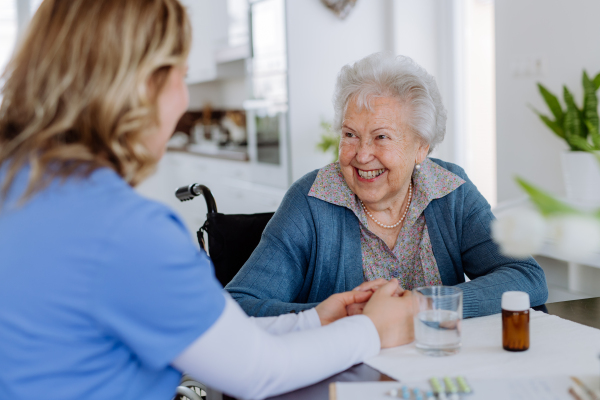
[[515, 321]]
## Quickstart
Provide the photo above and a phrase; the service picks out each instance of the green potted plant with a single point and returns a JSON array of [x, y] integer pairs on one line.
[[579, 127], [330, 140]]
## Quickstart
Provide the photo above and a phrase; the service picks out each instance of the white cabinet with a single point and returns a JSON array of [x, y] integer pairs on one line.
[[211, 26], [201, 61]]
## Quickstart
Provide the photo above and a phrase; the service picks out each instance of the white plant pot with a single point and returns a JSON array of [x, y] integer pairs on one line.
[[582, 176]]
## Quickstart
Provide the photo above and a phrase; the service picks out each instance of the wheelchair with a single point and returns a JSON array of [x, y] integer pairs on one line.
[[231, 240], [231, 237]]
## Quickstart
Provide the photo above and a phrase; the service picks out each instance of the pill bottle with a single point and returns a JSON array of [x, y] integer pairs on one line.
[[515, 321]]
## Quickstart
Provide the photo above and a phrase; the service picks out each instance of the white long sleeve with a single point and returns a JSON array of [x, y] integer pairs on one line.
[[239, 358], [286, 323]]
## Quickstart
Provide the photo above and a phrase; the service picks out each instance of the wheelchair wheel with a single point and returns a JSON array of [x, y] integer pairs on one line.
[[190, 389]]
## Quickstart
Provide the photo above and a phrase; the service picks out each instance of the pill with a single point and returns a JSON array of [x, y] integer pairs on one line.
[[450, 386], [462, 383], [435, 385]]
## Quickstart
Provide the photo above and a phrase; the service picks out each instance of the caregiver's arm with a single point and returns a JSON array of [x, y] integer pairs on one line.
[[248, 362], [285, 323], [328, 311], [491, 272]]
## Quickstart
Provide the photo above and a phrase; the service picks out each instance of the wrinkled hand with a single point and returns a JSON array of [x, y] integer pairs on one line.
[[335, 306], [370, 286], [392, 315]]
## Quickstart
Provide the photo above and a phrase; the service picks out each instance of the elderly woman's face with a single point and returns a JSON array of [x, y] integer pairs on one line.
[[378, 152]]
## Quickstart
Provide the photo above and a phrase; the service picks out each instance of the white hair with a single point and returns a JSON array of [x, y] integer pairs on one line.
[[386, 75]]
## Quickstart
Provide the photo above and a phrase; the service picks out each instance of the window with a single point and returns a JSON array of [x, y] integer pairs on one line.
[[8, 30], [477, 150], [14, 15]]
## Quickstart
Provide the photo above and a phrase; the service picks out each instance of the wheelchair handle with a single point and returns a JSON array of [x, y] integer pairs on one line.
[[186, 193]]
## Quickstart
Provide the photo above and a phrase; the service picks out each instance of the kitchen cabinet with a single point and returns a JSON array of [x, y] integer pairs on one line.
[[217, 37], [201, 61]]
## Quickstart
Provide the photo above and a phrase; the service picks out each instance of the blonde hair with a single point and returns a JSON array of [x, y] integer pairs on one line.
[[82, 86]]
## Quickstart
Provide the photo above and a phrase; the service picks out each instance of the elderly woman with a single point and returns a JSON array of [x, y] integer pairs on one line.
[[385, 210]]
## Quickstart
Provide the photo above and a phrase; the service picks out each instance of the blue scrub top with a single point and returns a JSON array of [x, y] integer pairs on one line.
[[100, 289]]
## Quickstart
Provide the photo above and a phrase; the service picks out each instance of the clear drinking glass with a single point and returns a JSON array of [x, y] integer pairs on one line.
[[438, 315]]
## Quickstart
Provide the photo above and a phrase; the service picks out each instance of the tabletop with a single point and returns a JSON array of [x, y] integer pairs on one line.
[[585, 312]]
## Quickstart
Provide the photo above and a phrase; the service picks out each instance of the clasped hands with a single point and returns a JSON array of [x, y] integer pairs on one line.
[[370, 287], [385, 302]]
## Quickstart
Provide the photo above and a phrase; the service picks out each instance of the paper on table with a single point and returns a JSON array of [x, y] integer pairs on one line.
[[548, 388], [557, 347]]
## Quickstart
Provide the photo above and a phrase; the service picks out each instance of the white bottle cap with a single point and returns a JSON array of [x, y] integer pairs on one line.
[[515, 301]]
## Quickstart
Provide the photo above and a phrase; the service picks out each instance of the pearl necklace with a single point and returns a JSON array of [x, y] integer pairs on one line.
[[401, 219]]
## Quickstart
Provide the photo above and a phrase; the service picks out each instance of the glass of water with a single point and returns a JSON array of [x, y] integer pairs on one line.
[[438, 315]]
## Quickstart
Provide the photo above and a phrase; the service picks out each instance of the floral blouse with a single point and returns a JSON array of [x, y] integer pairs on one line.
[[411, 260]]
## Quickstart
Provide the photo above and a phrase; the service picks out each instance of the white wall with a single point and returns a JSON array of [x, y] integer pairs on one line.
[[424, 30], [416, 32], [319, 45], [565, 36]]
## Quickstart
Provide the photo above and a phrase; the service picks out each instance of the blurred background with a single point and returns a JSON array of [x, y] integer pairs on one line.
[[262, 74]]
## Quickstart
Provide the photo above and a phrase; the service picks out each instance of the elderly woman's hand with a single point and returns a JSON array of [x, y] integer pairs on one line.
[[335, 306], [370, 286], [392, 315]]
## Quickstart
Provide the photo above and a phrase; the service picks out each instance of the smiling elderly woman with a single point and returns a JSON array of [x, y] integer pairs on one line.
[[385, 210]]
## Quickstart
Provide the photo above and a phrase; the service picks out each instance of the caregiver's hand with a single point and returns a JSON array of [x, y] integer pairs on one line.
[[391, 314], [334, 307], [372, 286]]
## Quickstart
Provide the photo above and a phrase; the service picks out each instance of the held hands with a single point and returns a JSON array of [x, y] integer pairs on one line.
[[335, 306], [349, 303], [392, 314], [385, 303], [370, 286]]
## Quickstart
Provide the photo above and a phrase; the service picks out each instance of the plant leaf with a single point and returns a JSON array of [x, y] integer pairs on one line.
[[330, 140], [545, 202], [597, 81], [579, 144], [572, 117], [552, 102], [326, 126], [553, 125], [594, 135], [590, 106]]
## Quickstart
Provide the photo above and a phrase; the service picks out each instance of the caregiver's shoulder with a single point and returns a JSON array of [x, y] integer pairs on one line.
[[118, 205]]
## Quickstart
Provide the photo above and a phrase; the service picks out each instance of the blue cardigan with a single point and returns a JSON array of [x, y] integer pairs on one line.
[[311, 249]]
